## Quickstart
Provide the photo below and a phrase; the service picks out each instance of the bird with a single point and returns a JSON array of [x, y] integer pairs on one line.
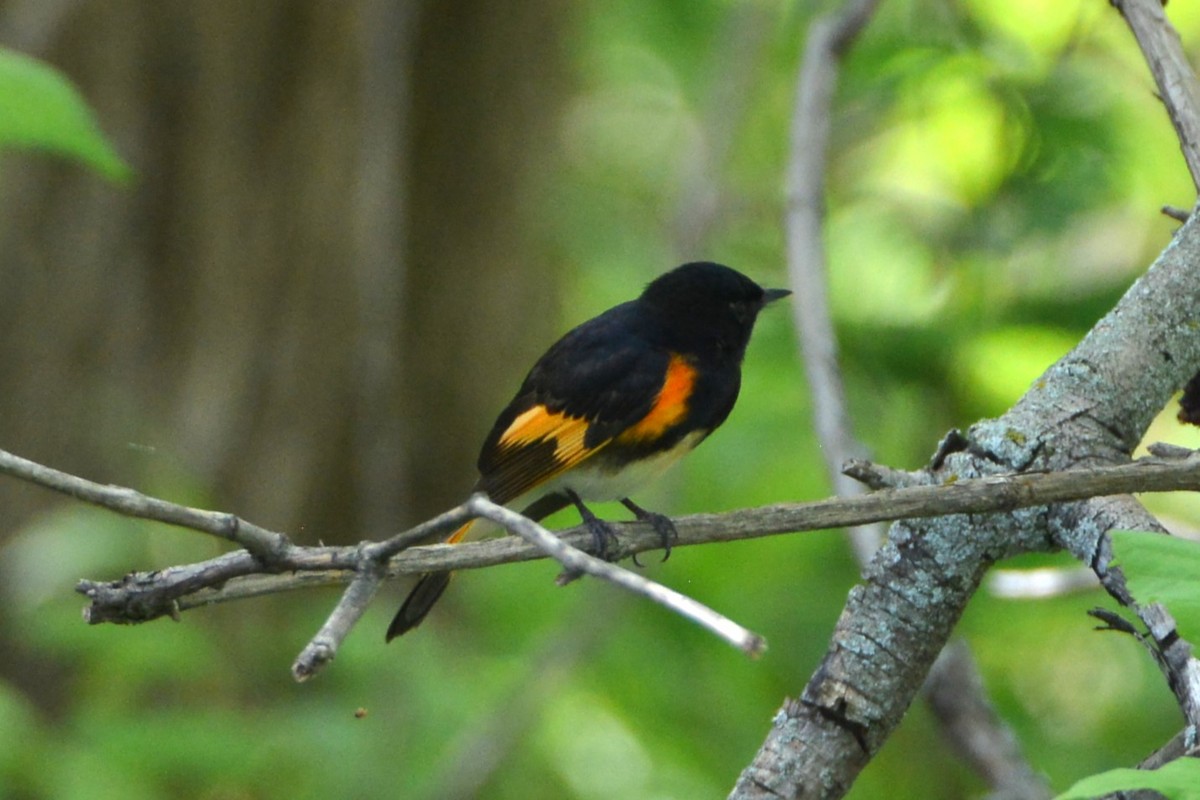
[[613, 404]]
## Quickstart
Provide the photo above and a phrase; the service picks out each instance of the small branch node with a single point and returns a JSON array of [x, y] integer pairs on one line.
[[1176, 213], [952, 442], [1113, 621], [316, 654], [323, 647], [1170, 452], [575, 560], [878, 476]]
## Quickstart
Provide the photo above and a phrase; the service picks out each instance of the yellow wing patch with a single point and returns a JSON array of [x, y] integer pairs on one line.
[[541, 424], [523, 463], [671, 405]]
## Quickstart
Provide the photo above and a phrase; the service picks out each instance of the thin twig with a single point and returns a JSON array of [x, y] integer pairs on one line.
[[1173, 75], [1176, 213], [880, 476], [142, 596], [430, 529], [1180, 745], [1040, 582], [576, 561], [259, 541], [322, 648], [828, 39], [956, 695]]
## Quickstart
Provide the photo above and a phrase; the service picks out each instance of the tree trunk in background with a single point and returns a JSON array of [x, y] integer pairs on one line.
[[322, 283], [481, 310]]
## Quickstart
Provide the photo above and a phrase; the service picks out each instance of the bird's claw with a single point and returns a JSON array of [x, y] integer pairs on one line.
[[662, 524]]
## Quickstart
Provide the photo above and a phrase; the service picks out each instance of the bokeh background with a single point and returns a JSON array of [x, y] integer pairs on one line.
[[351, 228]]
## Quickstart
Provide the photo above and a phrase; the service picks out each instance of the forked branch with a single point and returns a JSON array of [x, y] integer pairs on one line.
[[284, 566]]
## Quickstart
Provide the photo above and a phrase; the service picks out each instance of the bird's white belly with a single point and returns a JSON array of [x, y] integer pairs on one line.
[[601, 482]]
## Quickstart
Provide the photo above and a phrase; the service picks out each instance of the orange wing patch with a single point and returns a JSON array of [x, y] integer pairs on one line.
[[670, 406]]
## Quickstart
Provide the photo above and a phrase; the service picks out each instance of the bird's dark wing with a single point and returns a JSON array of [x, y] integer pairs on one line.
[[597, 384]]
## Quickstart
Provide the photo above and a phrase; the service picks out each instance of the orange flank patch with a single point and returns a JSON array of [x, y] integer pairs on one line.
[[523, 460], [541, 424], [671, 404]]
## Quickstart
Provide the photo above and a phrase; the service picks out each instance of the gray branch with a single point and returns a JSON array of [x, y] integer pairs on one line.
[[954, 688], [972, 727], [142, 596], [1176, 81], [577, 562], [259, 541], [1090, 408], [322, 648], [805, 222]]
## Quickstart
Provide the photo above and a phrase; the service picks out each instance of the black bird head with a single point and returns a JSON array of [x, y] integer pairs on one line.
[[708, 307]]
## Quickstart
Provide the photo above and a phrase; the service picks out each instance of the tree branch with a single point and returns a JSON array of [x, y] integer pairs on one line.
[[971, 726], [139, 597], [142, 596], [1091, 407], [1174, 76], [322, 648], [1180, 93], [576, 561], [259, 541], [828, 39]]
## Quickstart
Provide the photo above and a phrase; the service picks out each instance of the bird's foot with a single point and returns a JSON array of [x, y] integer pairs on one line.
[[662, 524], [604, 539]]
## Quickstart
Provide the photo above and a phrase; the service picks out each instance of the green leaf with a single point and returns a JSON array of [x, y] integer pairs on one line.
[[1162, 569], [1179, 780], [39, 108]]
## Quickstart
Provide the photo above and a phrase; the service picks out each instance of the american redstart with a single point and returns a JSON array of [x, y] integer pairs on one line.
[[613, 403]]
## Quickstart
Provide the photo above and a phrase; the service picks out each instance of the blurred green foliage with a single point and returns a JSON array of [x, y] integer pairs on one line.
[[39, 108], [1178, 780], [1162, 569], [993, 188]]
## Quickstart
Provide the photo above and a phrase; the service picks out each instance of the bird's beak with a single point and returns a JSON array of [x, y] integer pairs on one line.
[[771, 295]]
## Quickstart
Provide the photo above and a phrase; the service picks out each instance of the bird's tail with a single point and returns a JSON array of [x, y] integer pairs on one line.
[[422, 597], [431, 585]]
